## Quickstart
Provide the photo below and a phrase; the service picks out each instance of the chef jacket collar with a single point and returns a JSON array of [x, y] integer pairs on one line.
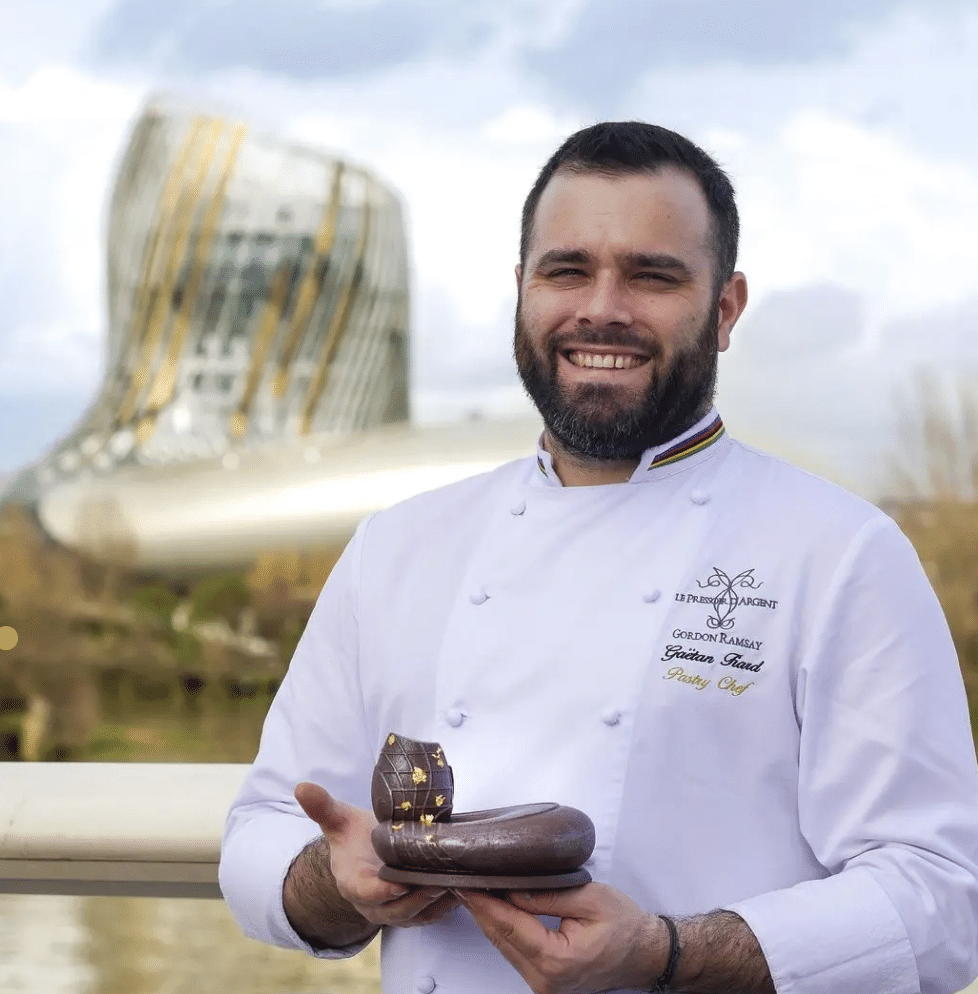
[[689, 448]]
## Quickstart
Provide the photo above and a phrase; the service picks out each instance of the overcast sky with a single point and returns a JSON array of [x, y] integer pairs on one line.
[[848, 129]]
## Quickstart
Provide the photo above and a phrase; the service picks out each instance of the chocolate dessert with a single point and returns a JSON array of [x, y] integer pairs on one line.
[[421, 840]]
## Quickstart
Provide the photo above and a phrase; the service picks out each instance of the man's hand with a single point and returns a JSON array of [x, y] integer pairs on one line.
[[333, 894], [605, 940]]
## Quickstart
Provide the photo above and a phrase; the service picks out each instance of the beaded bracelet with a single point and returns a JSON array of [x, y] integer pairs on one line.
[[662, 984]]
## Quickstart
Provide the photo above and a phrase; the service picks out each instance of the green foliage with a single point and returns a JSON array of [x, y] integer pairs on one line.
[[186, 649], [100, 672], [220, 597], [156, 600]]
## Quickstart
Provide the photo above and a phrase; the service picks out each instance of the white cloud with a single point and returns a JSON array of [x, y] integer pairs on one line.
[[50, 359], [45, 32], [529, 124], [55, 97], [66, 128], [830, 200]]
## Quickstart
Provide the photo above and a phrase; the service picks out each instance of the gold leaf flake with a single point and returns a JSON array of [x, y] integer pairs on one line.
[[397, 826], [440, 800], [441, 762], [391, 739], [418, 775], [406, 806], [429, 838], [427, 819]]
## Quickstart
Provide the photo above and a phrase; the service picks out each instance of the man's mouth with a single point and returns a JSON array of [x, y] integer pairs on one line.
[[604, 360]]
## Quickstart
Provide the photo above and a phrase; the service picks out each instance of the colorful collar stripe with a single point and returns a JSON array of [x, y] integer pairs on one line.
[[690, 446]]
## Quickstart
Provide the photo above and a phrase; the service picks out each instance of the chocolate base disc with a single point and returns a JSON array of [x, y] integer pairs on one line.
[[476, 881]]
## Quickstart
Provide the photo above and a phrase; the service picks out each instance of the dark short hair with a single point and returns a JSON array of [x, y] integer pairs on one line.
[[622, 147]]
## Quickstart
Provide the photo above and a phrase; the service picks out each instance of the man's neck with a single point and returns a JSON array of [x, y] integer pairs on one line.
[[575, 470]]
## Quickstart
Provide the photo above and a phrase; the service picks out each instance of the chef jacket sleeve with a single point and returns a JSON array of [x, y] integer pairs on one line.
[[888, 793], [314, 731]]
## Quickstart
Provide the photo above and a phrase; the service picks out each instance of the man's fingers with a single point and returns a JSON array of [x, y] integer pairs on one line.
[[367, 889], [570, 903], [438, 908], [328, 813], [509, 928], [520, 937], [403, 910]]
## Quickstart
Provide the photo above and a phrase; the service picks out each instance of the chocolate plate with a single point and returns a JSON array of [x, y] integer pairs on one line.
[[473, 881]]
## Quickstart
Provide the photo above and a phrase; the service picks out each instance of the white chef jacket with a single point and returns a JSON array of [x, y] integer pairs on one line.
[[737, 670]]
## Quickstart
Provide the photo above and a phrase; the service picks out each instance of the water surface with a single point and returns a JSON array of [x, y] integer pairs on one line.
[[106, 945]]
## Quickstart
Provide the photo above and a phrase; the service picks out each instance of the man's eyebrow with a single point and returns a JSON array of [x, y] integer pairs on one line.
[[641, 260], [571, 257]]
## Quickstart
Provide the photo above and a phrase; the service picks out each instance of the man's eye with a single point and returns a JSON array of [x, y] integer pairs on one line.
[[656, 277], [558, 273]]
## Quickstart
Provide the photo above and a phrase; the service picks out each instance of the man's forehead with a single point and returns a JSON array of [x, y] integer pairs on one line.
[[667, 203]]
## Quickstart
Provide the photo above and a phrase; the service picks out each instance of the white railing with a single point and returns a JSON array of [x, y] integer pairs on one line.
[[114, 829]]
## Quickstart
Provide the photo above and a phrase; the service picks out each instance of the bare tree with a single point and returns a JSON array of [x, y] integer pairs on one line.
[[937, 457], [934, 498]]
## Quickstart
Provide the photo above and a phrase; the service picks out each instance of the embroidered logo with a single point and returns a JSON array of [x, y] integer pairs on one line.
[[724, 595], [727, 601], [728, 597]]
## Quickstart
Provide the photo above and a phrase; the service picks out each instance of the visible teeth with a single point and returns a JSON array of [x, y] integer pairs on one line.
[[591, 360]]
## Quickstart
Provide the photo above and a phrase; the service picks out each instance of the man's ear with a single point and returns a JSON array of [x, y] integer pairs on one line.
[[733, 300]]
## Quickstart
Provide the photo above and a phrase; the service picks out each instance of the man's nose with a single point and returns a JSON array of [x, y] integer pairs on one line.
[[604, 302]]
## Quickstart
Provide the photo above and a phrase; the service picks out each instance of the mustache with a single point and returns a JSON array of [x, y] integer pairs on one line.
[[605, 338]]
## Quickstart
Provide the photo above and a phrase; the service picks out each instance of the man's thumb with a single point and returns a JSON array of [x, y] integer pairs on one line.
[[328, 813], [557, 903]]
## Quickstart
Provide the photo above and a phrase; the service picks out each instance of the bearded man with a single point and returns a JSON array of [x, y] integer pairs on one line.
[[737, 670]]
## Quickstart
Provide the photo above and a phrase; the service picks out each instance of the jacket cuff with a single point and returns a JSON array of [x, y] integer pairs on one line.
[[254, 864], [840, 934]]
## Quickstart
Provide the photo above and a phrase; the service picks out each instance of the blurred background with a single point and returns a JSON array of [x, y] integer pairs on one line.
[[256, 265]]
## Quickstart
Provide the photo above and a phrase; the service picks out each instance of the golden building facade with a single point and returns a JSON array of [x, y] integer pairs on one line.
[[257, 292]]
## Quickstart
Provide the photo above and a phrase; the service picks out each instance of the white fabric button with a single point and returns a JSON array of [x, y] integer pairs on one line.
[[699, 496], [478, 596], [611, 717], [426, 985], [518, 508], [651, 596], [454, 717]]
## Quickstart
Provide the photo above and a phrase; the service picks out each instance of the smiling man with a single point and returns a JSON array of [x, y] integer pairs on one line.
[[624, 299], [790, 807]]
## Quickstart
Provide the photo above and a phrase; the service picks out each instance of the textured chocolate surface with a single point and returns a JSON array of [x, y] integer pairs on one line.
[[412, 796], [412, 781]]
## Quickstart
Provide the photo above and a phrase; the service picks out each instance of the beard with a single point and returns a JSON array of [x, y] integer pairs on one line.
[[602, 422]]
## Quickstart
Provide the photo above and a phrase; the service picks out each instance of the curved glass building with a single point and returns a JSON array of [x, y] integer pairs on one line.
[[257, 291], [256, 386]]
